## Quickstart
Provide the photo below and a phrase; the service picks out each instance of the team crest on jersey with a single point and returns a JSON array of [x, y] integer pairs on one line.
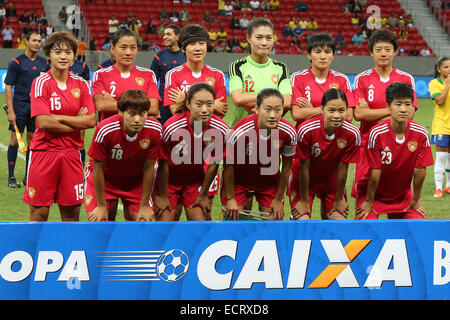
[[341, 143], [412, 146], [140, 81], [211, 81], [31, 192], [208, 140], [76, 93], [144, 143], [88, 199], [274, 78], [334, 85]]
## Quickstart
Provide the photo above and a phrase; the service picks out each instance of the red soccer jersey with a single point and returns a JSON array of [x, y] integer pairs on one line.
[[369, 86], [124, 156], [305, 84], [183, 78], [256, 158], [115, 83], [48, 98], [396, 159], [326, 152], [187, 151]]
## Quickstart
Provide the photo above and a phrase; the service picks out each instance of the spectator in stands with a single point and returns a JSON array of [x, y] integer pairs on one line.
[[49, 30], [303, 23], [346, 8], [27, 28], [33, 18], [24, 18], [163, 14], [265, 5], [7, 36], [274, 5], [354, 20], [174, 16], [151, 27], [92, 46], [235, 43], [21, 42], [403, 33], [297, 30], [212, 35], [244, 22], [401, 22], [43, 19], [383, 21], [287, 31], [409, 21], [301, 6], [294, 48], [113, 23], [62, 16], [244, 45], [219, 47], [222, 35], [228, 8], [207, 17], [107, 44], [2, 11], [244, 6], [425, 52], [81, 51], [340, 40], [358, 39], [235, 4], [255, 5], [154, 47], [235, 23], [40, 28], [184, 15], [414, 52], [356, 7], [312, 25], [392, 21], [10, 11]]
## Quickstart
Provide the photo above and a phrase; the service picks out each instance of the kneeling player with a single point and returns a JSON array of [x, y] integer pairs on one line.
[[253, 158], [190, 139], [397, 153], [123, 154], [326, 144]]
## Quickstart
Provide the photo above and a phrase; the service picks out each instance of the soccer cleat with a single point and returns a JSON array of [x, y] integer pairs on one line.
[[438, 194], [447, 190], [12, 183]]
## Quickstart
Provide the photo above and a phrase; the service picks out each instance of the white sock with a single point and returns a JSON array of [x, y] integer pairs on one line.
[[439, 168], [447, 169]]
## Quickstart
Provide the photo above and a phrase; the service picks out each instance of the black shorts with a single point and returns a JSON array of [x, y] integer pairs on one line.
[[23, 117]]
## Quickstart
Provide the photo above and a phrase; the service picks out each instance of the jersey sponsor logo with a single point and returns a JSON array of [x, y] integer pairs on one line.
[[274, 78], [334, 85], [140, 81], [144, 143], [76, 93], [341, 143], [31, 192], [88, 199], [412, 146]]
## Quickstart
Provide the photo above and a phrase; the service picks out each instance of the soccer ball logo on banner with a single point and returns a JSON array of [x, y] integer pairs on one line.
[[172, 265]]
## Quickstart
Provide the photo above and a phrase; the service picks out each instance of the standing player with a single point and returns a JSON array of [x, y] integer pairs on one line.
[[253, 158], [61, 105], [369, 89], [309, 85], [249, 75], [109, 83], [123, 153], [326, 144], [22, 70], [193, 41], [440, 130], [165, 60], [189, 140], [398, 152]]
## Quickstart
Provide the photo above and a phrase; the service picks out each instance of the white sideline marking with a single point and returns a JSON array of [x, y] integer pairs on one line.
[[5, 148]]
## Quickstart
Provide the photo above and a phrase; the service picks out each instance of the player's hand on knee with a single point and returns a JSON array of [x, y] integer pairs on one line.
[[339, 210], [98, 214], [204, 204], [416, 206], [364, 210], [301, 210], [232, 212], [276, 210], [146, 214], [161, 205]]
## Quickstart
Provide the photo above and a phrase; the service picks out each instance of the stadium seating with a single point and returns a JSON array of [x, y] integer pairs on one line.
[[33, 6]]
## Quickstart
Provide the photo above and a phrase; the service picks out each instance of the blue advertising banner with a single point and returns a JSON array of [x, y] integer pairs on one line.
[[320, 260]]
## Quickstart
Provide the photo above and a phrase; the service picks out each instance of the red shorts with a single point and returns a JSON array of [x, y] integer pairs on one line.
[[264, 195], [394, 209], [54, 177], [184, 194], [130, 196]]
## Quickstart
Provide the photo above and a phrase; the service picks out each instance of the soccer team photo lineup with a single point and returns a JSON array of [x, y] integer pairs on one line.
[[174, 140]]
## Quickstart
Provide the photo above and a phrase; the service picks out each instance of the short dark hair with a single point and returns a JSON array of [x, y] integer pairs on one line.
[[57, 39], [176, 29], [192, 32], [398, 90], [382, 35], [123, 32], [266, 93], [320, 40], [29, 34], [133, 99], [333, 94], [258, 22]]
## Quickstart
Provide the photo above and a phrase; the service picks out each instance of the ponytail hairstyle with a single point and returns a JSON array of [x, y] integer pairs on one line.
[[438, 64]]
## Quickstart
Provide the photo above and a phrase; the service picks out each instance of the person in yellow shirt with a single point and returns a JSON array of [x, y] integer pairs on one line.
[[292, 23], [274, 5], [312, 25], [383, 21], [222, 35], [440, 129], [212, 34], [21, 42]]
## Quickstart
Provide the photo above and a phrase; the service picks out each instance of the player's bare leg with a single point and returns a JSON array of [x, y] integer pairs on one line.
[[112, 210], [168, 215], [39, 213], [129, 215], [195, 213], [177, 211], [70, 213]]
